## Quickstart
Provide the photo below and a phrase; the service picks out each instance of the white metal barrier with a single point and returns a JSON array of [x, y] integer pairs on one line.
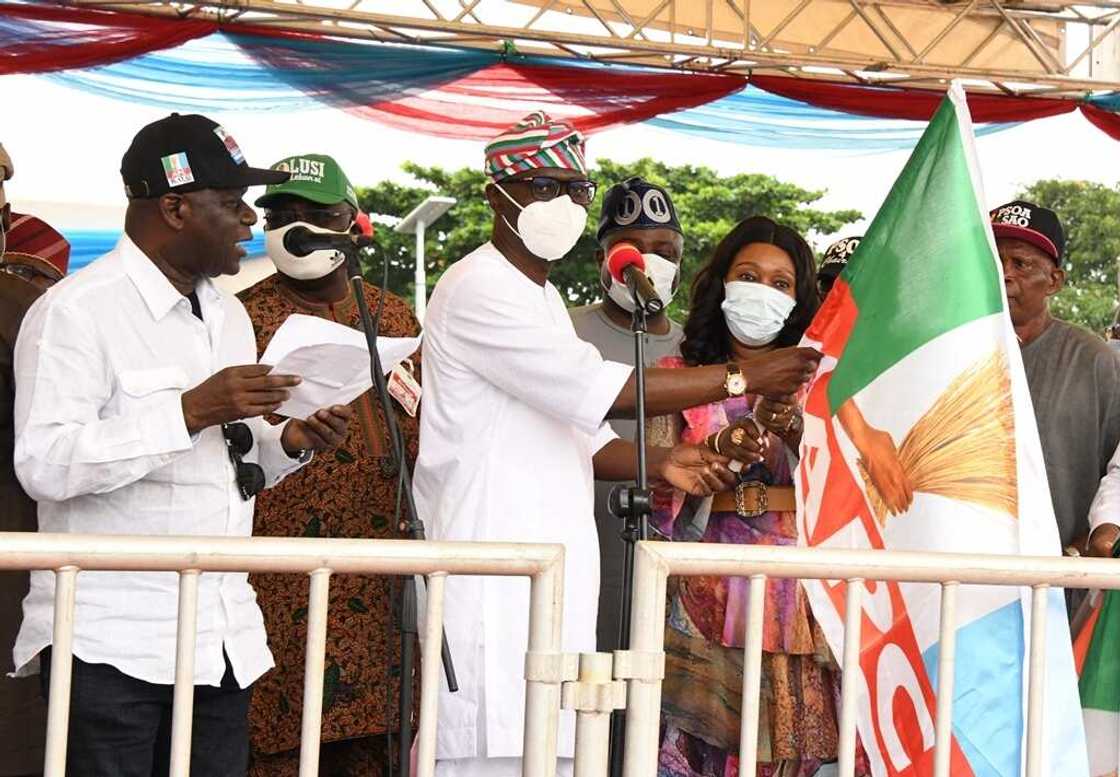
[[552, 679], [68, 554], [642, 666]]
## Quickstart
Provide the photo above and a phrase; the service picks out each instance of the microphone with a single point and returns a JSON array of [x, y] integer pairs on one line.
[[301, 241], [626, 265]]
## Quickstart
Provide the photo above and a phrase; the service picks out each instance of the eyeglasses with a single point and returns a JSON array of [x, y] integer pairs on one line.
[[250, 476], [326, 218], [545, 188]]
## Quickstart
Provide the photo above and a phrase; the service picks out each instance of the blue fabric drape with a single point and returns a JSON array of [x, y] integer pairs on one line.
[[242, 72], [246, 72], [757, 118]]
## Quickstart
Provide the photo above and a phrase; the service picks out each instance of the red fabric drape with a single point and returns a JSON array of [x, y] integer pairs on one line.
[[915, 104], [484, 103], [54, 38], [1106, 121]]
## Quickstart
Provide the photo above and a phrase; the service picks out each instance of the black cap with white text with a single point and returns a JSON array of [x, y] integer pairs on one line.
[[187, 154], [1033, 224]]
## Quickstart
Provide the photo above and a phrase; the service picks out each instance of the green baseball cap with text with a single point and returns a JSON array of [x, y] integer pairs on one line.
[[315, 177]]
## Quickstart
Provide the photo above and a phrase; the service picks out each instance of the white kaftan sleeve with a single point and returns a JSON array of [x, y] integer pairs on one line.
[[64, 447], [605, 435], [1106, 504], [505, 339], [271, 456]]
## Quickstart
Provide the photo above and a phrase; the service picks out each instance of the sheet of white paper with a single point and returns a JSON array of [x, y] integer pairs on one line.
[[332, 359]]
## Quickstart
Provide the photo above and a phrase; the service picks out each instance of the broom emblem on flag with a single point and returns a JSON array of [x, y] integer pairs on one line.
[[963, 447]]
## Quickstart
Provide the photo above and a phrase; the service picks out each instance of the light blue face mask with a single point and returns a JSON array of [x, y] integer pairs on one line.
[[755, 313]]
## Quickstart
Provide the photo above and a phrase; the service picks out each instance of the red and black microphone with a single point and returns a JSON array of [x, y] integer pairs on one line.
[[626, 265]]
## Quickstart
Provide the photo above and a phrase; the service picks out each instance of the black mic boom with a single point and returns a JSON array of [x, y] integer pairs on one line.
[[301, 241], [638, 283]]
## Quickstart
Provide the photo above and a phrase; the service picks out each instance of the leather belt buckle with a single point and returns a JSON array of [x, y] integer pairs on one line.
[[750, 499]]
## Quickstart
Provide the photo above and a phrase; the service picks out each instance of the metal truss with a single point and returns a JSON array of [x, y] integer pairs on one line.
[[1035, 47]]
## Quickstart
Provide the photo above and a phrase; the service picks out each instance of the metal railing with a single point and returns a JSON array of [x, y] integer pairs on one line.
[[69, 554], [553, 680], [656, 561]]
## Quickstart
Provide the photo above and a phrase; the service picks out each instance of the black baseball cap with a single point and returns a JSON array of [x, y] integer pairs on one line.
[[1032, 223], [836, 256], [187, 154], [636, 204]]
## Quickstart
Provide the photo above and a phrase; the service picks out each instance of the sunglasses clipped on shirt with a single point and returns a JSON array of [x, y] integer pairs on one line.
[[546, 188], [250, 476]]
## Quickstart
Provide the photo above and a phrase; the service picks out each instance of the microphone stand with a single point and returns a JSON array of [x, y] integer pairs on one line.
[[633, 504], [414, 525]]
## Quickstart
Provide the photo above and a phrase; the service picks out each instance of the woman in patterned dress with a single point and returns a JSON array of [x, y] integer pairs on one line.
[[758, 291]]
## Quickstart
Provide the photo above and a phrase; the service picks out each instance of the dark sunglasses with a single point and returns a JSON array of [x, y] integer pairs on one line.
[[545, 188], [326, 218], [250, 476]]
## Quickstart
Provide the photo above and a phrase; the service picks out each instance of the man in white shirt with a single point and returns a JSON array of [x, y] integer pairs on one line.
[[513, 435], [138, 411]]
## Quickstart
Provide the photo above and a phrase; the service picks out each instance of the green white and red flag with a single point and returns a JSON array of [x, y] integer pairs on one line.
[[920, 436], [1096, 653]]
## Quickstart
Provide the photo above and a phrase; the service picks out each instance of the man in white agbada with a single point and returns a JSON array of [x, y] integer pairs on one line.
[[513, 434]]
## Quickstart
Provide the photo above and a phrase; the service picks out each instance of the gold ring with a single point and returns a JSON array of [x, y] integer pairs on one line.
[[738, 436]]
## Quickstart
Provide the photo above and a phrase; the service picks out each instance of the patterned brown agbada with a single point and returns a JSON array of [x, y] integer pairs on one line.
[[348, 493]]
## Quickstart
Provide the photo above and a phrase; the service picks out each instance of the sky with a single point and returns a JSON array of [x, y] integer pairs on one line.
[[67, 146]]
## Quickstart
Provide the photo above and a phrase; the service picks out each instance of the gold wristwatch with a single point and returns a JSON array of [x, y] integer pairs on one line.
[[735, 384]]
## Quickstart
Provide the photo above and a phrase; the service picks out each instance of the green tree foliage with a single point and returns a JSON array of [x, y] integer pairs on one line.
[[1090, 213], [708, 204]]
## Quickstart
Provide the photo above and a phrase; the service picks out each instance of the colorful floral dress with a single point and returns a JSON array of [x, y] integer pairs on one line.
[[704, 638]]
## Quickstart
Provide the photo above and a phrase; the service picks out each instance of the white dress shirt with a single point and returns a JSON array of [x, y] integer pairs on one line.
[[514, 404], [101, 363]]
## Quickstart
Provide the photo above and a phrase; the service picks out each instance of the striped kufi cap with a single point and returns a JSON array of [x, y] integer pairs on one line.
[[535, 142]]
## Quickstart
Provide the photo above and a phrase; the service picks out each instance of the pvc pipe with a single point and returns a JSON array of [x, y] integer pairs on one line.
[[318, 602], [849, 689], [946, 665], [752, 677], [647, 635], [593, 727], [542, 698], [62, 644], [431, 670], [1037, 680], [182, 708]]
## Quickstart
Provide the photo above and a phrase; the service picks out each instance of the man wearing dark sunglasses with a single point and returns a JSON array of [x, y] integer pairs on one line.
[[513, 433], [139, 409], [350, 494]]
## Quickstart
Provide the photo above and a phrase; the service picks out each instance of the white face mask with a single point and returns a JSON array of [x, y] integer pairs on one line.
[[755, 313], [661, 273], [316, 264], [549, 229]]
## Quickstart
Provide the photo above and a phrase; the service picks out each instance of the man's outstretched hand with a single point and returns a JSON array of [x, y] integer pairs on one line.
[[324, 430], [694, 469], [780, 372]]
